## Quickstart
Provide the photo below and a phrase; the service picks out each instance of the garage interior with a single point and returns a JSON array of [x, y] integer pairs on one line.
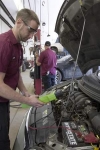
[[70, 119]]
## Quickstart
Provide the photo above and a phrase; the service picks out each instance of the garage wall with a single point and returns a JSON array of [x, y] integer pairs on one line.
[[4, 27]]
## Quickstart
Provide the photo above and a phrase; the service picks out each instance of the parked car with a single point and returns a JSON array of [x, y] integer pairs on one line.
[[65, 69]]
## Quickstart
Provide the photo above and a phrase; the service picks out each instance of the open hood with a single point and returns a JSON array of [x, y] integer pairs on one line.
[[69, 27]]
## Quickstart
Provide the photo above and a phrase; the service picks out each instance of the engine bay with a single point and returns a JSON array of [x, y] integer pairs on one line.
[[70, 122]]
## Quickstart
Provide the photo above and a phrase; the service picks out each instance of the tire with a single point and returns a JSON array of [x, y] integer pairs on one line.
[[58, 77], [23, 67], [28, 65], [32, 73]]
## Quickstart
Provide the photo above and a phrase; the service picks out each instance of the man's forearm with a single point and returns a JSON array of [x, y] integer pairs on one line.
[[21, 85], [8, 93]]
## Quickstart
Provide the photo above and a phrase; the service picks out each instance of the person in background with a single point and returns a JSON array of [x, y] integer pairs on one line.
[[11, 56], [47, 60]]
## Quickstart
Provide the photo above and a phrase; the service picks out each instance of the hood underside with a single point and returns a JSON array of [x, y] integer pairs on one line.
[[69, 25]]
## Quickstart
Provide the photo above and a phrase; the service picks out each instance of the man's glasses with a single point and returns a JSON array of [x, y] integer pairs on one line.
[[31, 30]]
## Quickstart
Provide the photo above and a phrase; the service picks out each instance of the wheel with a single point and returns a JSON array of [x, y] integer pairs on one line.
[[58, 77], [28, 65], [32, 73], [23, 67]]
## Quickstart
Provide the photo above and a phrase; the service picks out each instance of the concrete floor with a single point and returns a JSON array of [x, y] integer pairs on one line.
[[17, 114]]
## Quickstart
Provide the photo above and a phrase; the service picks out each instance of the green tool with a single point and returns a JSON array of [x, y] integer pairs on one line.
[[49, 96]]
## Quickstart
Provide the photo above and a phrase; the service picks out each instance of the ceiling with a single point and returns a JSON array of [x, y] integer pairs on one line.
[[47, 12]]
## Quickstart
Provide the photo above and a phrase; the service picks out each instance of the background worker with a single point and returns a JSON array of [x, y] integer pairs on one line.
[[47, 60]]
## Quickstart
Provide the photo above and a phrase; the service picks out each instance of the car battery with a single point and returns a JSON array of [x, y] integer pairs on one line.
[[70, 133]]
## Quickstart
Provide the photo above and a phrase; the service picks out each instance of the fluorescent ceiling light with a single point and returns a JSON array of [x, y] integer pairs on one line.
[[18, 4]]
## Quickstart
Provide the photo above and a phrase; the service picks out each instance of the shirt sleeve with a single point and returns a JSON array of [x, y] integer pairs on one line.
[[5, 56]]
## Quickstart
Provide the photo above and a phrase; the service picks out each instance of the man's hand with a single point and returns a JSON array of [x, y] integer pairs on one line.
[[34, 101]]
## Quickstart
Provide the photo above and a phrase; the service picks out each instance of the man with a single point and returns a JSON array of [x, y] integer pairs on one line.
[[47, 60], [11, 56]]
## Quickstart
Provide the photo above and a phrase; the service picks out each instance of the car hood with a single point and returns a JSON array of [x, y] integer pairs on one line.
[[59, 46], [69, 27], [64, 58]]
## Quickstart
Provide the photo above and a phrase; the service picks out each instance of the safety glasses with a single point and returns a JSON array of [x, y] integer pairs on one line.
[[31, 30]]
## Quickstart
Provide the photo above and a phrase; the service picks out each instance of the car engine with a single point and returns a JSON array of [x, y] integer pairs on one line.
[[79, 110], [71, 122]]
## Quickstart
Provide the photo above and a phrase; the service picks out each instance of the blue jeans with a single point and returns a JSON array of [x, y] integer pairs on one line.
[[48, 81]]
